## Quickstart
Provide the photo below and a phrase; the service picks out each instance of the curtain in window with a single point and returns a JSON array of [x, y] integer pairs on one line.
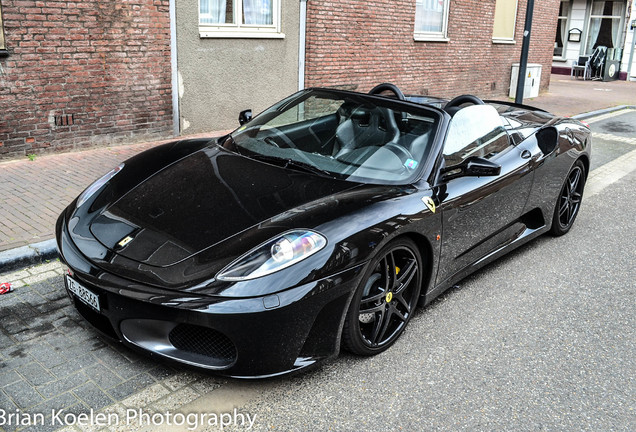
[[429, 16], [258, 12], [212, 11], [604, 31], [561, 28]]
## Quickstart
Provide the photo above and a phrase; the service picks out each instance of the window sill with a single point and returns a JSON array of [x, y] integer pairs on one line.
[[559, 59], [215, 34], [504, 41], [430, 38]]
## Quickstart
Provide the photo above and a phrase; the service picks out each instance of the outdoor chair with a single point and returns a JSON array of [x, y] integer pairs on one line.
[[583, 67]]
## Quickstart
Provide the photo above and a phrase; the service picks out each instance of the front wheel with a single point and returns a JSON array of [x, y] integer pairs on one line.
[[385, 300], [569, 201]]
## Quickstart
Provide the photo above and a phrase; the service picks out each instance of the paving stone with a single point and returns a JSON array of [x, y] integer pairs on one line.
[[15, 276], [36, 374], [161, 372], [207, 385], [61, 401], [22, 394], [5, 402], [180, 380], [176, 399], [130, 386], [47, 355], [39, 277], [103, 376], [128, 370], [146, 396], [8, 377], [73, 365], [92, 396], [62, 385], [5, 340]]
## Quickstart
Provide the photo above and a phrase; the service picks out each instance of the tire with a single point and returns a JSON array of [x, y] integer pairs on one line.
[[385, 300], [569, 200]]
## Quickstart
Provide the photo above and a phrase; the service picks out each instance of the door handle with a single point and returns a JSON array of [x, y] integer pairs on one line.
[[526, 154]]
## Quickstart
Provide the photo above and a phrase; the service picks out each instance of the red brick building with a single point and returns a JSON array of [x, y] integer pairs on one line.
[[453, 47], [75, 74], [83, 73]]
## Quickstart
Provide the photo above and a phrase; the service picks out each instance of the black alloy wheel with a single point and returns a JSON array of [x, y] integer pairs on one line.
[[385, 299], [569, 201]]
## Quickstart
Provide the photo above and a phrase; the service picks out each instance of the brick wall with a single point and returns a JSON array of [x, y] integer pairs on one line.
[[357, 44], [83, 73]]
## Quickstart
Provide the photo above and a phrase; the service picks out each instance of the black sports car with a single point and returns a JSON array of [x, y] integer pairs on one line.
[[321, 223]]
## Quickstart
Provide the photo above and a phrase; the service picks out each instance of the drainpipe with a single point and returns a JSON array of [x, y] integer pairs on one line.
[[631, 54], [301, 44], [173, 65]]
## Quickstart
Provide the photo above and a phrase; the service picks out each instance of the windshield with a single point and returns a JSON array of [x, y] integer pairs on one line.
[[342, 135]]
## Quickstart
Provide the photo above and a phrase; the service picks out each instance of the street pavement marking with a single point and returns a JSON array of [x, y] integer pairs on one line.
[[608, 115], [611, 137], [609, 173]]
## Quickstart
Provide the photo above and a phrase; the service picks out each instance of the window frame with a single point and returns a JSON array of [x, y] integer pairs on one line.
[[3, 39], [566, 17], [588, 22], [244, 31], [423, 36], [505, 40]]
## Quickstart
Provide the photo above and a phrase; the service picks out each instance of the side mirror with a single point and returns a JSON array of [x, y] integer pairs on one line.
[[471, 167], [245, 116]]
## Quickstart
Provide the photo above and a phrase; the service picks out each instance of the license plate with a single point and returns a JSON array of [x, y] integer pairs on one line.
[[82, 293]]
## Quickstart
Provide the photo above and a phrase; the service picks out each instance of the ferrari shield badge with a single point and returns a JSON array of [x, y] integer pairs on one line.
[[123, 242], [429, 203]]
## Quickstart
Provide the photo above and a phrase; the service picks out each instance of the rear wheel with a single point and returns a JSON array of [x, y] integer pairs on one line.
[[385, 299], [569, 201]]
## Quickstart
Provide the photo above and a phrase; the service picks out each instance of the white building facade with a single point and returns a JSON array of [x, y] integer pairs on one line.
[[584, 25]]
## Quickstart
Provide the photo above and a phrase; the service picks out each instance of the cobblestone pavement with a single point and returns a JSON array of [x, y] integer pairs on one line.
[[51, 359]]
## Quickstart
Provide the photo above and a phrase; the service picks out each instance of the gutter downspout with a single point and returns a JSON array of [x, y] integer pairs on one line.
[[301, 44], [174, 82]]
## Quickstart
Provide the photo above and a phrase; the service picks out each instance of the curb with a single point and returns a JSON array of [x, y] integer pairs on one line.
[[591, 114], [35, 253]]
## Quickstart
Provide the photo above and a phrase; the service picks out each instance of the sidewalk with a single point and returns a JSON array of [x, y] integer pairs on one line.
[[34, 193]]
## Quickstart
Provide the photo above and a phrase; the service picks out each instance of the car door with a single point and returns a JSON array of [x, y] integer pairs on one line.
[[480, 214]]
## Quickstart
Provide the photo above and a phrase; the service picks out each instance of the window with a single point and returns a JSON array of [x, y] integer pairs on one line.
[[604, 28], [505, 19], [240, 18], [475, 130], [3, 45], [431, 20], [562, 29]]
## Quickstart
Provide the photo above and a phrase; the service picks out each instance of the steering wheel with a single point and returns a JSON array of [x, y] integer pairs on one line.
[[399, 151], [453, 106], [277, 133], [390, 87]]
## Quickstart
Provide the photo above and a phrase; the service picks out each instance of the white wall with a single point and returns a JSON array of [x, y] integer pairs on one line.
[[629, 43]]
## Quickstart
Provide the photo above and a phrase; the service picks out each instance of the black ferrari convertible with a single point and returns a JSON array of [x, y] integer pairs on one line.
[[321, 223]]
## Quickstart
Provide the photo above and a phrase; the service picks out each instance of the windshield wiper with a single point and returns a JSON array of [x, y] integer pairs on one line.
[[308, 167], [292, 164]]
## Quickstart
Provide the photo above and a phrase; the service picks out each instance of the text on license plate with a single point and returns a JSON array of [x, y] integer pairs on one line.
[[84, 294]]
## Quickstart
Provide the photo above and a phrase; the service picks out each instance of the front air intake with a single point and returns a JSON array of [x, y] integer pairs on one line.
[[203, 341]]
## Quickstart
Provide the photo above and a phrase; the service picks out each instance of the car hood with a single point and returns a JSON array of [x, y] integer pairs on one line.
[[199, 201]]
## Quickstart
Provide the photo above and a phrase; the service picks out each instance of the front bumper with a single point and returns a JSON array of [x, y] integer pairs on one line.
[[242, 337]]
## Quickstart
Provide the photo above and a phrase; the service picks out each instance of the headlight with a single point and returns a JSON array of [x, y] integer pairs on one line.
[[97, 185], [274, 255]]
